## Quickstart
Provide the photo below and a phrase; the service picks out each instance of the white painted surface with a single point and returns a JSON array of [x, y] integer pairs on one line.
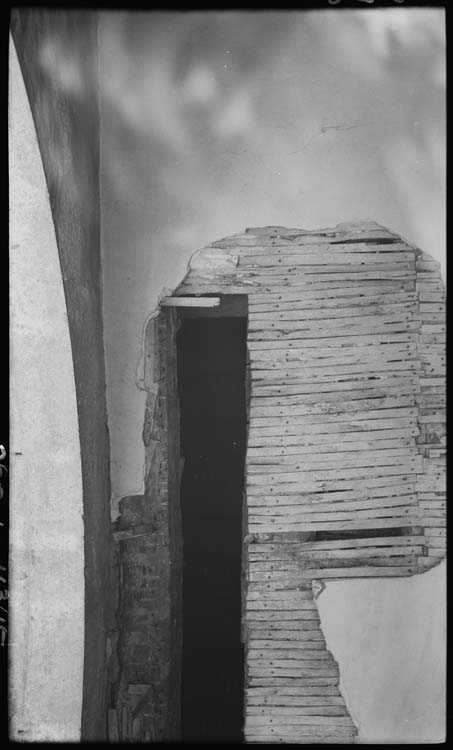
[[46, 528], [302, 120], [388, 637]]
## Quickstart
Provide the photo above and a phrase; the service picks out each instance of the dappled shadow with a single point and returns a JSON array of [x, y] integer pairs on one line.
[[212, 120]]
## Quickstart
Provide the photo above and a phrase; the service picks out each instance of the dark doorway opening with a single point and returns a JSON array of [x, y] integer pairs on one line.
[[211, 378]]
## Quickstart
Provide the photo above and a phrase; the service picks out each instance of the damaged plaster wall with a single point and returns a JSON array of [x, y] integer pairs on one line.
[[392, 666], [220, 133], [46, 529], [367, 625], [173, 181]]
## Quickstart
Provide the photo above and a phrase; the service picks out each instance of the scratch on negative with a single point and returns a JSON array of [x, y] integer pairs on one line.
[[324, 129]]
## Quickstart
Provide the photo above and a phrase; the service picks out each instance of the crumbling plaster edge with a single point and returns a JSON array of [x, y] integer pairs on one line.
[[320, 585]]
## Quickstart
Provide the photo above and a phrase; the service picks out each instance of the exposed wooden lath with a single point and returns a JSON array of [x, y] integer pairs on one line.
[[190, 302], [346, 339]]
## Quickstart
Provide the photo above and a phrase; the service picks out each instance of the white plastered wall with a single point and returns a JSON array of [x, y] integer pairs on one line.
[[46, 522], [388, 637]]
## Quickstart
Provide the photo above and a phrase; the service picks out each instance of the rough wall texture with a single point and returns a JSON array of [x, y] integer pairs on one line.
[[57, 51], [345, 458], [344, 466], [346, 334], [146, 684]]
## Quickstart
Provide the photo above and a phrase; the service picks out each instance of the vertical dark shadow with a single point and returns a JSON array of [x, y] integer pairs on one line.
[[211, 376]]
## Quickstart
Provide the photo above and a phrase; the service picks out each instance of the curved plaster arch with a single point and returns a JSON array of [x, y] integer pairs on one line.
[[46, 509]]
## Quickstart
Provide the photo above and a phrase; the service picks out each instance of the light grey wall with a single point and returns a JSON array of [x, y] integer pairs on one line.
[[46, 613], [211, 122], [388, 637], [58, 55]]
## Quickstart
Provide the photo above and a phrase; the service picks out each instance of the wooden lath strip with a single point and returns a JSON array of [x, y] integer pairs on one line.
[[331, 311], [298, 719], [330, 526], [315, 439], [337, 381], [323, 460], [292, 278], [312, 482], [286, 540], [318, 417], [360, 571], [290, 369], [330, 292], [189, 302], [285, 331], [337, 554], [351, 426], [395, 521], [291, 464], [279, 711], [315, 510], [279, 256], [362, 387], [327, 300], [292, 700], [286, 570], [305, 355], [317, 692], [336, 342], [318, 499], [272, 407]]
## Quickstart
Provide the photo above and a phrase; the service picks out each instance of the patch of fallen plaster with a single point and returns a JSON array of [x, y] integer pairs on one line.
[[140, 366], [213, 260], [208, 260], [374, 629], [142, 385], [116, 499]]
